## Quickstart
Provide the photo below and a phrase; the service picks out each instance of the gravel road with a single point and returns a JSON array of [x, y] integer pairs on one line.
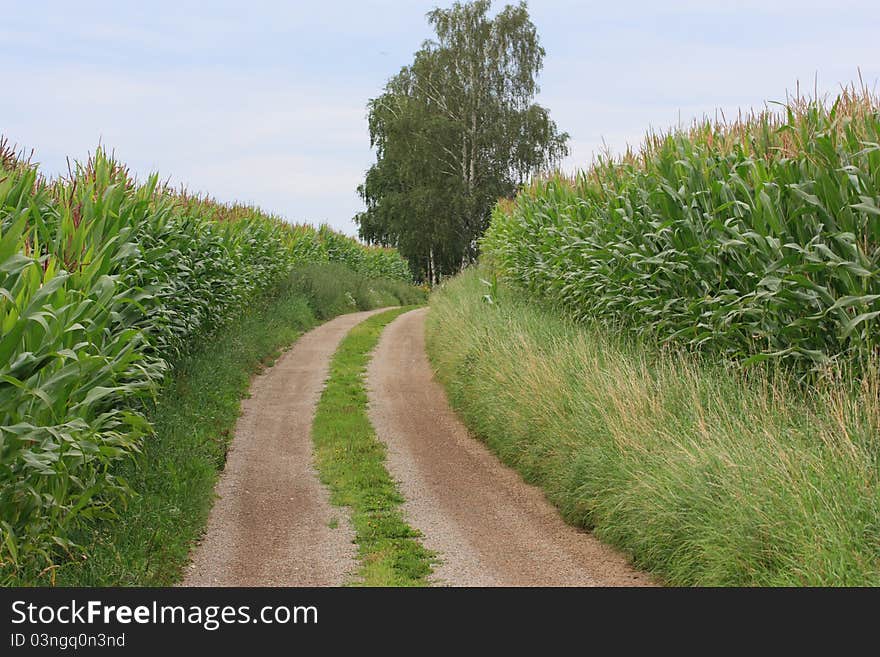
[[488, 526], [270, 525]]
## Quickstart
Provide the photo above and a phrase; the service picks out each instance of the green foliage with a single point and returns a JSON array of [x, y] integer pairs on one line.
[[757, 240], [147, 542], [351, 461], [321, 285], [704, 474], [454, 131], [368, 261], [103, 283]]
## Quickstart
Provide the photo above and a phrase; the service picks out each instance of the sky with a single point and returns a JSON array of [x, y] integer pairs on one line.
[[265, 102]]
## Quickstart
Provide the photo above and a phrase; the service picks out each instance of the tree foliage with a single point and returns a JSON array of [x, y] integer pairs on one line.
[[455, 131]]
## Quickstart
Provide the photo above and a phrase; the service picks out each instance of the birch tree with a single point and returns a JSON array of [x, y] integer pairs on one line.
[[455, 131]]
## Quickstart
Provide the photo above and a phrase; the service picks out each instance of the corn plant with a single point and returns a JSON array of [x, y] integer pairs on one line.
[[68, 368], [370, 261], [104, 284], [755, 240]]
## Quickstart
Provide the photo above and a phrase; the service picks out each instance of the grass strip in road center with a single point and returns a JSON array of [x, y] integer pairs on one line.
[[351, 462]]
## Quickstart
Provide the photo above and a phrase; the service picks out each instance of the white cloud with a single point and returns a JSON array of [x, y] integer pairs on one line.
[[301, 154], [265, 102]]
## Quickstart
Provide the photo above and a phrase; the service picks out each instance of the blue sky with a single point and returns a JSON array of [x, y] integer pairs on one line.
[[264, 102]]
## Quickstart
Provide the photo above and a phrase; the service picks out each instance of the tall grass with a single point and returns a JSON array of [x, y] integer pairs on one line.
[[104, 282], [755, 242], [758, 239], [705, 474]]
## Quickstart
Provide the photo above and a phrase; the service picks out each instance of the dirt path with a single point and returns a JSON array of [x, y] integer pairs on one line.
[[271, 523], [488, 526]]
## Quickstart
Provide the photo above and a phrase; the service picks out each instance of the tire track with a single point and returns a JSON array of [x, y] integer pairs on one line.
[[270, 525], [488, 526]]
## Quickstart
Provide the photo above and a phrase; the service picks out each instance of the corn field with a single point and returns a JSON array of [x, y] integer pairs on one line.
[[104, 282], [757, 239]]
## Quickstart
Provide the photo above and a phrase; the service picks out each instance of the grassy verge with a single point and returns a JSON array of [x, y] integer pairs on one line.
[[322, 290], [705, 475], [148, 543], [351, 461]]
